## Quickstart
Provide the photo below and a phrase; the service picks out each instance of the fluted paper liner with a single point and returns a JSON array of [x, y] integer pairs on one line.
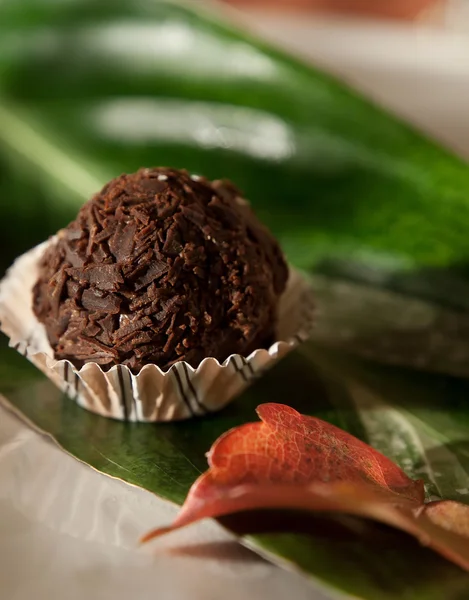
[[152, 395]]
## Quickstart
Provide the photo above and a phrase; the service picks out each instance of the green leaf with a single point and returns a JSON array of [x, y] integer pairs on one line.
[[91, 89], [406, 331], [395, 566], [87, 92]]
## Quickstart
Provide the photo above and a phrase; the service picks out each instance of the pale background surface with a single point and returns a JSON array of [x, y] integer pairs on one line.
[[421, 72], [67, 532]]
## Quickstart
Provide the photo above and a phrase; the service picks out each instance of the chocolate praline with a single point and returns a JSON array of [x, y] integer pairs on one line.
[[160, 267]]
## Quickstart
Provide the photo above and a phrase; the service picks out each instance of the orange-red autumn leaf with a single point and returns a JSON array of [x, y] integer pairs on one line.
[[452, 516], [288, 447], [294, 461], [293, 450]]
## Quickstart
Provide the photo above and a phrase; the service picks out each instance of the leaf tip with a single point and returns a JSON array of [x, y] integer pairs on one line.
[[270, 411], [154, 533]]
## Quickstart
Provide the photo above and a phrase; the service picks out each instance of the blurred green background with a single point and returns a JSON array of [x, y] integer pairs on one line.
[[90, 90]]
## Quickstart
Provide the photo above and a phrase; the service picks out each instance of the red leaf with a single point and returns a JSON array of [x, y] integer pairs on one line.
[[288, 447], [452, 516], [293, 461], [444, 527]]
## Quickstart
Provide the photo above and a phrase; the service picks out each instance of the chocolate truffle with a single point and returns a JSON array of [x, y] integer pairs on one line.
[[160, 267]]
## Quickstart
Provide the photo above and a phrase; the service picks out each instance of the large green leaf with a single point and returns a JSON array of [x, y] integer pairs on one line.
[[90, 89]]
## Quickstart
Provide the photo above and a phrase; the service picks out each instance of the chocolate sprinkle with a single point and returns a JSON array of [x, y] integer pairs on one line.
[[157, 268]]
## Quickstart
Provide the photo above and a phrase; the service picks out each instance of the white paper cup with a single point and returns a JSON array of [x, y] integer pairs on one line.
[[152, 395]]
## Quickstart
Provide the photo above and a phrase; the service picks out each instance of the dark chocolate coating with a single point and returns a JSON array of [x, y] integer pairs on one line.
[[160, 267]]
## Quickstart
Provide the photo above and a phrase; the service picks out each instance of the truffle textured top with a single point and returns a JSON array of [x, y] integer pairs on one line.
[[160, 267]]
